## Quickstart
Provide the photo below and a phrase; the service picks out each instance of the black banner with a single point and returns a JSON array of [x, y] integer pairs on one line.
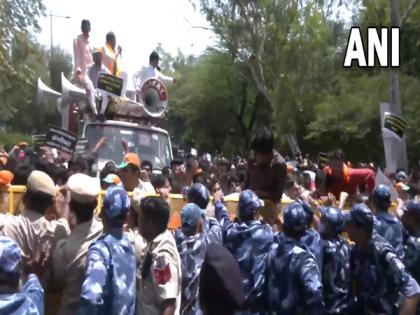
[[395, 123], [38, 141], [81, 146], [61, 140], [110, 83]]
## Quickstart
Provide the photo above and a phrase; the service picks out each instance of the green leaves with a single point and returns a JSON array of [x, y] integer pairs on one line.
[[22, 61], [213, 103]]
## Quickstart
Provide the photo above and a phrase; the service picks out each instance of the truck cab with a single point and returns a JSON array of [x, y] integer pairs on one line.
[[148, 142]]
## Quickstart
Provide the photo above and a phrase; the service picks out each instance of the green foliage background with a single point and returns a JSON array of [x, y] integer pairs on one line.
[[22, 61], [277, 63]]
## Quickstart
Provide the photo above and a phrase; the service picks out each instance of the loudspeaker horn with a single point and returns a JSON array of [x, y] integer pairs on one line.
[[154, 96], [71, 91], [44, 92]]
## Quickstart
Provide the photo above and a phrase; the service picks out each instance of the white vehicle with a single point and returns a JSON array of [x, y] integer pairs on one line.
[[134, 118], [149, 143]]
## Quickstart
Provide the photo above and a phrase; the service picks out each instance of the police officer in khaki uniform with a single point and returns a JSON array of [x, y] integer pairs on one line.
[[69, 257], [159, 291], [35, 235], [133, 234]]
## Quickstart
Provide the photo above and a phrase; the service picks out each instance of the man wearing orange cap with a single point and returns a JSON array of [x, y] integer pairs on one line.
[[6, 178], [130, 175]]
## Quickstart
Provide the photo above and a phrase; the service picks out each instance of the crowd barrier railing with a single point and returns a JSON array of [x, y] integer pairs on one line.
[[11, 202]]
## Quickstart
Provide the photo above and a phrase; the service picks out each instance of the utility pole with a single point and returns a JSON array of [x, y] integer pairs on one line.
[[51, 15], [51, 33], [395, 106], [394, 79]]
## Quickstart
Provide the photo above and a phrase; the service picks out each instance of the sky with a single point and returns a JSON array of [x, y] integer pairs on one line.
[[139, 25]]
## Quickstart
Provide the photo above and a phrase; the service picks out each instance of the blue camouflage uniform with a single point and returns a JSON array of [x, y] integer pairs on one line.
[[412, 243], [386, 224], [312, 240], [390, 228], [380, 278], [30, 300], [412, 256], [192, 250], [293, 281], [109, 286], [336, 265], [200, 195], [249, 242], [213, 231]]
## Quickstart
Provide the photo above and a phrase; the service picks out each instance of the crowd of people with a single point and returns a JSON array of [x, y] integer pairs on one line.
[[307, 238]]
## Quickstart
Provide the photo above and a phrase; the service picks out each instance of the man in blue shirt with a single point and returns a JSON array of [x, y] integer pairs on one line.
[[386, 224], [293, 281], [109, 286], [336, 262], [249, 242], [311, 240], [382, 284], [411, 221], [30, 300], [199, 194], [192, 249]]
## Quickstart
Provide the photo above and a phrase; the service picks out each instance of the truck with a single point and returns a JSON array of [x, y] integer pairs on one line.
[[140, 124], [150, 143]]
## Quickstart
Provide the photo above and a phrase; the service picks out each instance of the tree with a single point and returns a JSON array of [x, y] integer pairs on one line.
[[214, 105], [22, 61], [20, 111], [18, 95], [290, 50], [17, 19]]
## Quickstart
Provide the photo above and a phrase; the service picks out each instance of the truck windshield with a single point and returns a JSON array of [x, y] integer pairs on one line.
[[150, 145]]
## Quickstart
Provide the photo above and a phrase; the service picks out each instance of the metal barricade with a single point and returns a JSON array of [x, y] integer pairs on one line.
[[11, 202]]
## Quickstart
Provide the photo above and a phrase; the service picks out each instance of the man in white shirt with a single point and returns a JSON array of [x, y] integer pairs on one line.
[[81, 49], [151, 71], [111, 54]]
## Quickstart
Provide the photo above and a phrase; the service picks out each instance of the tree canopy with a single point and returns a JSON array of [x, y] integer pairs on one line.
[[277, 63], [22, 61], [287, 55]]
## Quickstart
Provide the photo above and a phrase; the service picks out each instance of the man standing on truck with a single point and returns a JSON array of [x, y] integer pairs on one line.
[[151, 71], [81, 49], [96, 68], [111, 54]]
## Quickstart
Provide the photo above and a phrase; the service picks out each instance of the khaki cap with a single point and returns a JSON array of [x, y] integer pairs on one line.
[[41, 182], [83, 188]]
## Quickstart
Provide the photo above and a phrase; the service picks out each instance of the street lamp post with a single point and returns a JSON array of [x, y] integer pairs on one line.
[[51, 15]]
